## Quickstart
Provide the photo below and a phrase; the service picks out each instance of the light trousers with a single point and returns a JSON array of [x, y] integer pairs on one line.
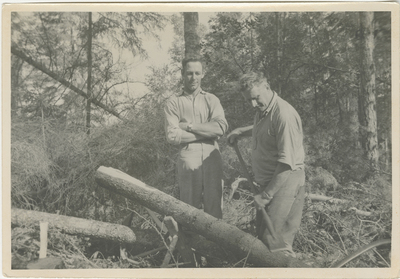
[[285, 210], [200, 177]]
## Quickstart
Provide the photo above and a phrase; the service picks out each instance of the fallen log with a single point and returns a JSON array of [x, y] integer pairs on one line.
[[73, 225], [315, 197], [312, 197], [242, 244]]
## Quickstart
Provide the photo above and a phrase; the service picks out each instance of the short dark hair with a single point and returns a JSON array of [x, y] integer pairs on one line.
[[251, 79], [192, 59]]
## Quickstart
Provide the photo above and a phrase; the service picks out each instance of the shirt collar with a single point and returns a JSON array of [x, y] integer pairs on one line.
[[195, 93], [269, 107]]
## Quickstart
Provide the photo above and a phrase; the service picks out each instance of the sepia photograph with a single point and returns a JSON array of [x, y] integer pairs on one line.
[[201, 140]]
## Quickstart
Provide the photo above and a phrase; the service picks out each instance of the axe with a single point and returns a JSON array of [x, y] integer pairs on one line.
[[274, 242]]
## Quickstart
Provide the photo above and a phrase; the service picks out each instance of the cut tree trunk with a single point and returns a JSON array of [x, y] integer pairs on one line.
[[73, 225], [242, 244]]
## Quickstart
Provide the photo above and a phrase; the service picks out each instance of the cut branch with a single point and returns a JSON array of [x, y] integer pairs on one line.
[[157, 221], [73, 225], [173, 231], [216, 230]]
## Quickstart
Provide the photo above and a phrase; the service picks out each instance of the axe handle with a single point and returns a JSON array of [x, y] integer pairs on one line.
[[246, 172], [268, 222], [254, 190]]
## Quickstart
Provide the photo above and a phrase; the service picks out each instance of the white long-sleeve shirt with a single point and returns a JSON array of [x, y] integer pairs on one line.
[[199, 107]]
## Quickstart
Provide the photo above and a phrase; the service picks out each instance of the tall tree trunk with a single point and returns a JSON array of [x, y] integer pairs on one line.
[[16, 68], [352, 120], [191, 35], [89, 78], [367, 101], [315, 101], [339, 106], [251, 41], [279, 26]]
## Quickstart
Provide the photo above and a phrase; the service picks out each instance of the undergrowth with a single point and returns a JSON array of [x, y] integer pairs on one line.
[[53, 170], [77, 252]]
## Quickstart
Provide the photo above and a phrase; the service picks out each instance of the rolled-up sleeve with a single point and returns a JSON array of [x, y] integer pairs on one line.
[[217, 114], [172, 131]]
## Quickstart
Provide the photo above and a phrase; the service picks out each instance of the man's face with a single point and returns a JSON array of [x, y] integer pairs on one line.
[[192, 75], [259, 96]]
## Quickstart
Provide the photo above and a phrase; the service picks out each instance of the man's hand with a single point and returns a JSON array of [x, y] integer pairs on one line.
[[234, 136], [260, 202], [183, 125]]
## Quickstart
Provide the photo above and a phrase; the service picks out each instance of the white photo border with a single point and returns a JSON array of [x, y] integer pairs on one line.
[[393, 272]]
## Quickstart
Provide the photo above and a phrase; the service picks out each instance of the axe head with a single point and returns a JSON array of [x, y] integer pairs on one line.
[[274, 244]]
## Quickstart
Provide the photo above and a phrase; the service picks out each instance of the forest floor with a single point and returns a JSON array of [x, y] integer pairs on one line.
[[329, 232]]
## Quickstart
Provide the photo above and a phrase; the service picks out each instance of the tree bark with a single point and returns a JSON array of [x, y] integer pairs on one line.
[[280, 17], [242, 244], [191, 35], [367, 99], [73, 225]]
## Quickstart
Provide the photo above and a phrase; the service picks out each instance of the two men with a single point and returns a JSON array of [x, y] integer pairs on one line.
[[277, 158], [195, 120]]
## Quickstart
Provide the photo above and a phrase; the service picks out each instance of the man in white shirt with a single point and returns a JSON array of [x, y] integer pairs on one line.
[[195, 120]]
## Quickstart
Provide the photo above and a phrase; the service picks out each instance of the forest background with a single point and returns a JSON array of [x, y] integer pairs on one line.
[[77, 103]]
